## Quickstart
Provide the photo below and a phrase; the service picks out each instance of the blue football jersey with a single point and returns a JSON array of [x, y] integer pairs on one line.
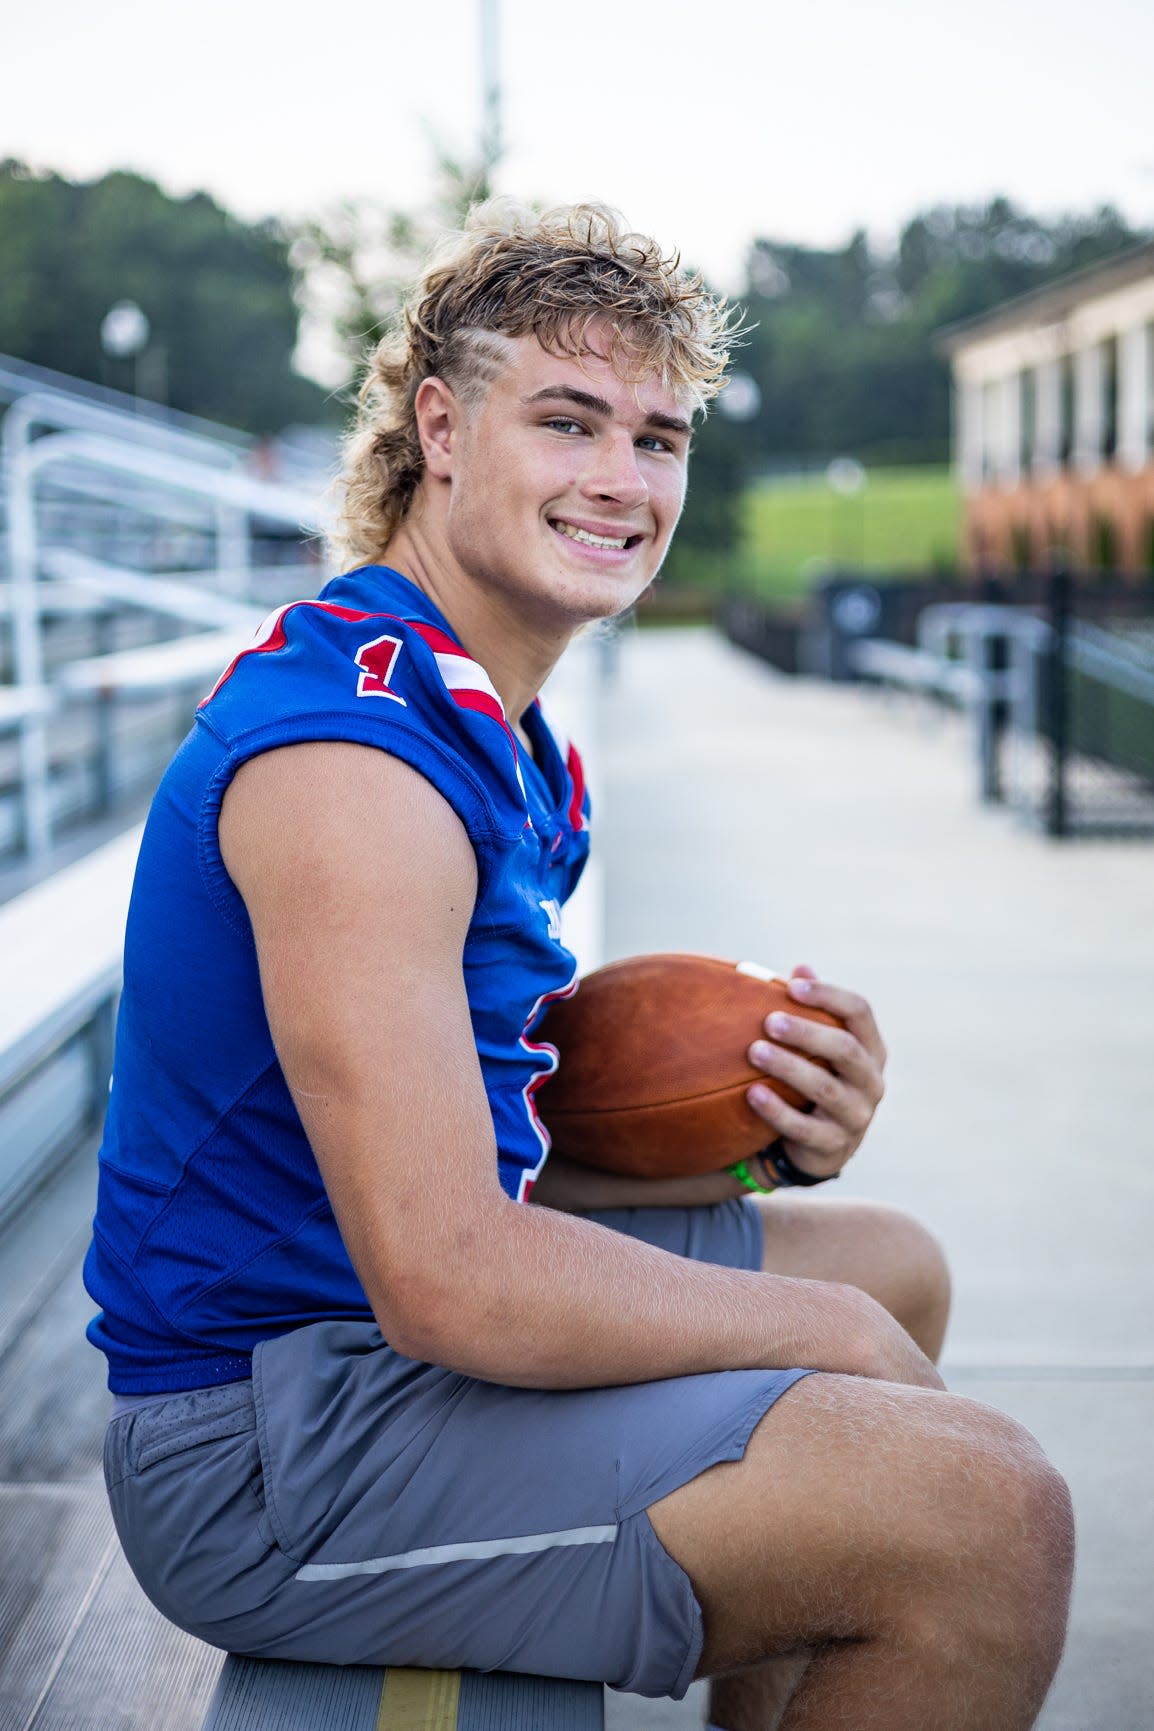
[[213, 1230]]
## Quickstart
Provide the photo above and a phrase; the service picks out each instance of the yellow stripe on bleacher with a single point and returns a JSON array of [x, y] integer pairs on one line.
[[419, 1700]]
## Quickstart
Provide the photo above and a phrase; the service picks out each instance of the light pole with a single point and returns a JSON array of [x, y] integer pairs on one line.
[[846, 479], [490, 89], [740, 399], [124, 334]]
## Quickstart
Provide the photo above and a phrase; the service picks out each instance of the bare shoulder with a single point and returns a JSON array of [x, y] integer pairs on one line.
[[360, 882]]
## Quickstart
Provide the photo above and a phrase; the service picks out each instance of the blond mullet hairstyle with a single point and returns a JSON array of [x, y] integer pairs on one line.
[[513, 272]]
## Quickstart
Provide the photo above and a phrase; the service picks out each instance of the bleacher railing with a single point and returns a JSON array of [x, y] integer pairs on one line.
[[156, 469]]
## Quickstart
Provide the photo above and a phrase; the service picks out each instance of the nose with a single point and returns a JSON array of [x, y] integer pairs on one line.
[[614, 474]]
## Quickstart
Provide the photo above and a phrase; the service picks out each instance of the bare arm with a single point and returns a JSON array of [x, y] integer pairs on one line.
[[360, 882], [580, 1189]]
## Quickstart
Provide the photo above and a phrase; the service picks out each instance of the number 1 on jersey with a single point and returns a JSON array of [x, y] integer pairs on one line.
[[376, 661]]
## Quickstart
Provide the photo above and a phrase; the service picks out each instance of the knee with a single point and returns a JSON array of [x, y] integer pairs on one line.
[[1010, 1547], [916, 1273], [925, 1260], [1035, 1515]]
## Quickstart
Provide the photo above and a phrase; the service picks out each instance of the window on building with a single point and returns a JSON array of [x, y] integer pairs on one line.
[[991, 427], [1110, 398], [1065, 408], [1028, 419]]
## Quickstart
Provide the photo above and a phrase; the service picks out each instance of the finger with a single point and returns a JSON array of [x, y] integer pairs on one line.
[[849, 1058], [818, 1145], [850, 1008], [850, 1106]]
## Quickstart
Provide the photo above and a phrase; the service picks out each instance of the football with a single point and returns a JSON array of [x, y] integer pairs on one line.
[[653, 1067]]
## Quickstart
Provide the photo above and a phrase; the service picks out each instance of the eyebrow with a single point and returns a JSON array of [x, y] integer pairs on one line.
[[601, 406]]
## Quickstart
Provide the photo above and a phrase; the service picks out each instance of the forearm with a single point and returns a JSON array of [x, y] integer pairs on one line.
[[576, 1189], [543, 1299]]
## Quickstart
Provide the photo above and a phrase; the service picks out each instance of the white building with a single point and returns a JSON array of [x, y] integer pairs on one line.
[[1054, 421]]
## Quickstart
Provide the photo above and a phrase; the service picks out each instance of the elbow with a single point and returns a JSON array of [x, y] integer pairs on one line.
[[412, 1343], [410, 1321], [440, 1290], [432, 1314]]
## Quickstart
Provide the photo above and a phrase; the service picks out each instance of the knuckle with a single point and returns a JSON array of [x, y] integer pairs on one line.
[[764, 1102], [847, 1048], [826, 1091]]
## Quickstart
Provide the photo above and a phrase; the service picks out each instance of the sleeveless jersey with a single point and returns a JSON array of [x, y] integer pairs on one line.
[[213, 1230]]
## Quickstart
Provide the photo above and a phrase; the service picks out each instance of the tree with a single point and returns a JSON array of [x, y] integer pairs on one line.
[[844, 349], [357, 261], [218, 293]]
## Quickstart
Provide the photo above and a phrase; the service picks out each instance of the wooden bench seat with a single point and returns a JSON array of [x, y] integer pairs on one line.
[[266, 1695]]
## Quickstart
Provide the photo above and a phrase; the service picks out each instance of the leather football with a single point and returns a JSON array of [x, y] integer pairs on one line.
[[653, 1067]]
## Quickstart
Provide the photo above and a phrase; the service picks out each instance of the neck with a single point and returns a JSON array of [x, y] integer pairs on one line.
[[517, 652]]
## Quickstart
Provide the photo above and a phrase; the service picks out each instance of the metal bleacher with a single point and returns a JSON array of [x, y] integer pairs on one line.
[[131, 569]]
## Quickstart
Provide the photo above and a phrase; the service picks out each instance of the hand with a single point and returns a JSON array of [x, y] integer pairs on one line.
[[845, 1101]]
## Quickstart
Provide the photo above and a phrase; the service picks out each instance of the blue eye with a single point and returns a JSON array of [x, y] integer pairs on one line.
[[560, 422]]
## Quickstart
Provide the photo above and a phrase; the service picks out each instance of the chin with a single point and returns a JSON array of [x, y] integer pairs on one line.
[[592, 595], [590, 602]]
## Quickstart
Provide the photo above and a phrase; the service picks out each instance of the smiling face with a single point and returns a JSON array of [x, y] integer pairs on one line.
[[560, 488]]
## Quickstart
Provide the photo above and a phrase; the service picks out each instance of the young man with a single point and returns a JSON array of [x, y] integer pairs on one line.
[[372, 1407]]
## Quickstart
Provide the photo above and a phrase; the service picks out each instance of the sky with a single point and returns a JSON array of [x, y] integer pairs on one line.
[[706, 121]]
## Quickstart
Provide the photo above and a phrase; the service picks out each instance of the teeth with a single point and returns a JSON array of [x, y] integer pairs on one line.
[[575, 534]]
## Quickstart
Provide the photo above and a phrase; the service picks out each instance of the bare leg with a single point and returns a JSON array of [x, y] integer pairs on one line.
[[865, 1244], [919, 1543], [887, 1254], [756, 1699]]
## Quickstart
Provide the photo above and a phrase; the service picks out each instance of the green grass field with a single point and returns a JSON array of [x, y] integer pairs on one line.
[[796, 530]]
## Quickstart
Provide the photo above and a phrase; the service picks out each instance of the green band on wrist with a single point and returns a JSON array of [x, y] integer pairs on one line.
[[741, 1172]]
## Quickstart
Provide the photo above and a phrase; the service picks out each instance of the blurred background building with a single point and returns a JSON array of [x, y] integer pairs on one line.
[[1054, 421]]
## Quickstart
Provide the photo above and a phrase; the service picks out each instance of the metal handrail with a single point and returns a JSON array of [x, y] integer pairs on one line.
[[173, 463], [1111, 661], [54, 409], [22, 379]]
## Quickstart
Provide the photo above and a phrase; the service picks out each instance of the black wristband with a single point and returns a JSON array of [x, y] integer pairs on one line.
[[786, 1172]]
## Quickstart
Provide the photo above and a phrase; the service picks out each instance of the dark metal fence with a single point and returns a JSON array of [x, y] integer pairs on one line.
[[1056, 672], [1094, 740]]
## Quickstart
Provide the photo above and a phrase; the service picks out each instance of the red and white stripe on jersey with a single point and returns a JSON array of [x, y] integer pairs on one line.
[[465, 679], [540, 1048], [577, 777], [270, 635], [575, 767]]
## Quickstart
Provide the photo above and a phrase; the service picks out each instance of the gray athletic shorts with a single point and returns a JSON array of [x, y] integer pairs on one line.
[[353, 1506]]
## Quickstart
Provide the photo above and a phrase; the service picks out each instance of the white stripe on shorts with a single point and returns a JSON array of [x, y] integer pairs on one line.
[[457, 1553]]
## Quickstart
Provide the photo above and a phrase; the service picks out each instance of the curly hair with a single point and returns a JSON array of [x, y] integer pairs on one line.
[[512, 272]]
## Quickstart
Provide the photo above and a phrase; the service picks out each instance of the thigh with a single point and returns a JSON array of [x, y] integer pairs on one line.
[[853, 1499], [365, 1509]]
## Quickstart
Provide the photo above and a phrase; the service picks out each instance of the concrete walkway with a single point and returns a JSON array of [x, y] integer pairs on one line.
[[745, 814]]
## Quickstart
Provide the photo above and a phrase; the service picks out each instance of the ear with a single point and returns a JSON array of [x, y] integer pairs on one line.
[[438, 414]]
